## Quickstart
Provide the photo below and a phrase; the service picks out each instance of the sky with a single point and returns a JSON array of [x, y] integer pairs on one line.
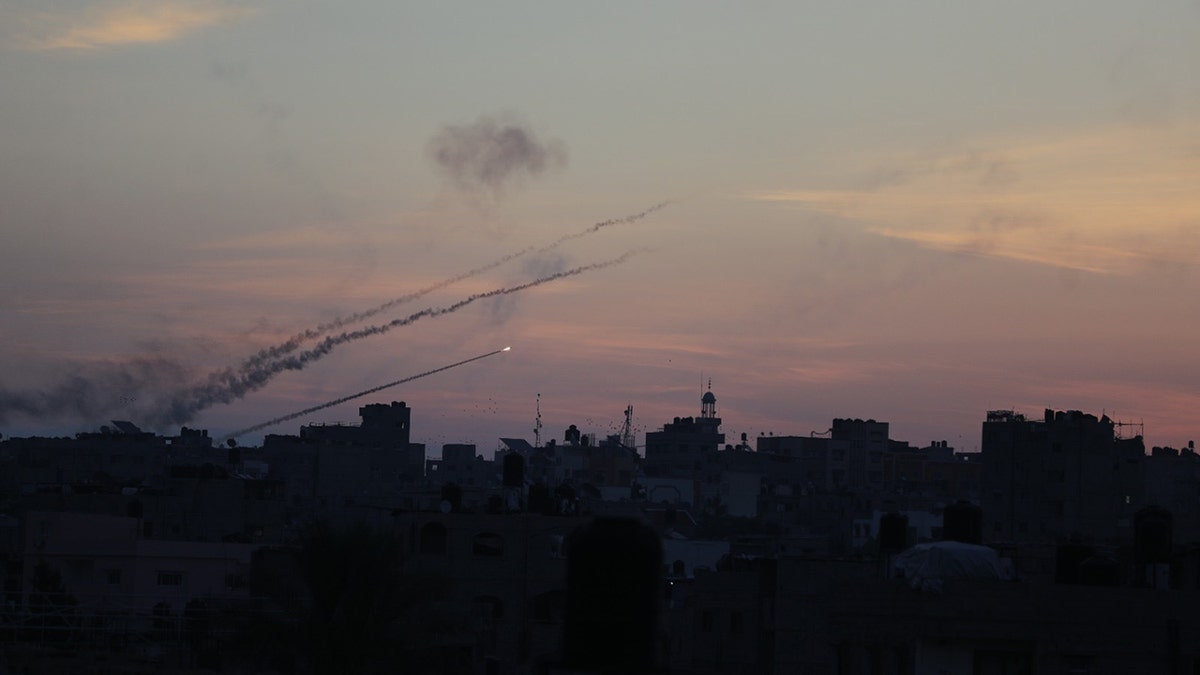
[[910, 212]]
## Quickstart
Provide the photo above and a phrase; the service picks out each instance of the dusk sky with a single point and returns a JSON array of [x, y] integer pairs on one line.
[[913, 212]]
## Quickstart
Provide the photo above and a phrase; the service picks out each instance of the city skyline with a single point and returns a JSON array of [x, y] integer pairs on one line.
[[914, 215]]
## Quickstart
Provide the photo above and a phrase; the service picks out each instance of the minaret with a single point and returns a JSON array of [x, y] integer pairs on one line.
[[708, 404]]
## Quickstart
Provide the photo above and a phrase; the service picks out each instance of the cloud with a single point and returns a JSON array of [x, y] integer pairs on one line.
[[491, 156], [109, 24], [975, 166], [1112, 200]]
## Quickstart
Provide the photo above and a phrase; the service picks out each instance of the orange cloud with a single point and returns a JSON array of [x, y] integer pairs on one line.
[[110, 24], [1106, 201]]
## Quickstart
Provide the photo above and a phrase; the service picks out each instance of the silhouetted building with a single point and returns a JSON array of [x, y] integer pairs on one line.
[[1065, 474], [504, 581], [857, 448], [109, 566], [461, 465], [1173, 482], [681, 445]]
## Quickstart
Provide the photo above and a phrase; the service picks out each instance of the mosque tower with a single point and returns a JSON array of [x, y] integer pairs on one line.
[[708, 404], [683, 442]]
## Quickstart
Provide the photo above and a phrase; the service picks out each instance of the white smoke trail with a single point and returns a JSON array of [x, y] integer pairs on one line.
[[293, 343], [230, 384]]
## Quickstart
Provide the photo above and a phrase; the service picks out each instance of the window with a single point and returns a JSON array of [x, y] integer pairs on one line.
[[113, 577], [169, 578], [736, 623], [706, 621]]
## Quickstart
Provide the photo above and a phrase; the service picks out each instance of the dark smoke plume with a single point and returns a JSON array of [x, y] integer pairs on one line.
[[293, 343], [230, 384], [95, 390], [490, 155]]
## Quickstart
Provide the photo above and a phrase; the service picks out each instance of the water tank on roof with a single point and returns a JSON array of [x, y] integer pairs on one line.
[[572, 435], [962, 521]]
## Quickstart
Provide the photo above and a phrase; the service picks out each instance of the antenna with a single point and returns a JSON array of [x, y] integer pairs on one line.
[[537, 424], [1139, 427], [627, 438]]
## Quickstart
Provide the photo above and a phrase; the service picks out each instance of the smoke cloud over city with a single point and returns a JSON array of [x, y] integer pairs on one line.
[[95, 389], [490, 156]]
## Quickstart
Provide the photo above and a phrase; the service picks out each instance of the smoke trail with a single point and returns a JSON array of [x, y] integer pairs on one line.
[[136, 388], [230, 384], [488, 156], [293, 343], [351, 397], [601, 225]]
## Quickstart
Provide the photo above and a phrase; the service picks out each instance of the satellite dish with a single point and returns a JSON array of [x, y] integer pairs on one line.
[[445, 506], [231, 442]]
